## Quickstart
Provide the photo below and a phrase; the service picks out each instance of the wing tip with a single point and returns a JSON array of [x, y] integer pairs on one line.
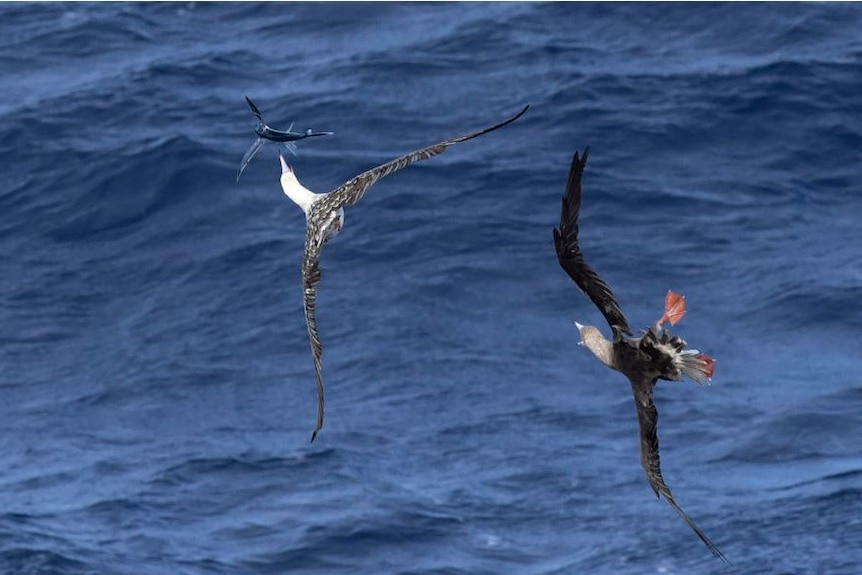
[[583, 155], [580, 158], [713, 548]]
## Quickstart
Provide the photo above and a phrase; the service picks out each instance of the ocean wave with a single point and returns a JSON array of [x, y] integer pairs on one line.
[[158, 385]]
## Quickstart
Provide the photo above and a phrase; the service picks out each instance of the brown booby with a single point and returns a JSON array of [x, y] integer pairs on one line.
[[656, 354]]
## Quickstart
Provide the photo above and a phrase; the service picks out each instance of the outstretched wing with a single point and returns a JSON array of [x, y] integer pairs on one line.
[[352, 191], [254, 110], [249, 155], [648, 420], [569, 252], [310, 280]]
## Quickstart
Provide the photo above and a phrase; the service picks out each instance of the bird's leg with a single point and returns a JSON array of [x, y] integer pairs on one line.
[[674, 308]]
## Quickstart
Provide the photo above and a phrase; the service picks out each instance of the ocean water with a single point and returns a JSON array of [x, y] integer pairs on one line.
[[156, 386]]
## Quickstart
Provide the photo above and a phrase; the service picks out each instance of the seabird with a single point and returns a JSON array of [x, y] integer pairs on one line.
[[264, 133], [657, 354], [324, 218]]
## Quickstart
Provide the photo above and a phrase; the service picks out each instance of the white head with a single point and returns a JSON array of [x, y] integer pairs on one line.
[[286, 170], [293, 189]]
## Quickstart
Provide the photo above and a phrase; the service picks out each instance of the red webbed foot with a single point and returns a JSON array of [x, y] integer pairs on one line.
[[674, 308]]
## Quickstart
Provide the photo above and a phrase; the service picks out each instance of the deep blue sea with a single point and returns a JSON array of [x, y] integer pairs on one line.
[[156, 385]]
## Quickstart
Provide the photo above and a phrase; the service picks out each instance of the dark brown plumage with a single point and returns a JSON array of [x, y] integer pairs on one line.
[[569, 252], [657, 354]]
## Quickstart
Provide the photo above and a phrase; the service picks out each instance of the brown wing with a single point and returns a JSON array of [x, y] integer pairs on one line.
[[569, 252], [310, 280], [648, 419], [352, 191]]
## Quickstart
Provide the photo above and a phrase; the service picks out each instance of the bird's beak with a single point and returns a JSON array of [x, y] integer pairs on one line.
[[285, 169], [580, 327]]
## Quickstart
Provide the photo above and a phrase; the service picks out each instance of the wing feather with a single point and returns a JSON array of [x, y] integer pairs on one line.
[[648, 420], [353, 190], [310, 281], [569, 251]]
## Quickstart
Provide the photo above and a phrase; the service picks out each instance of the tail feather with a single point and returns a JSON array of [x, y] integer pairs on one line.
[[698, 366]]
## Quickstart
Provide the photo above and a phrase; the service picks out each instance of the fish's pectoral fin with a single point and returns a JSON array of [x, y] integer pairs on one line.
[[291, 147], [254, 110], [248, 156]]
